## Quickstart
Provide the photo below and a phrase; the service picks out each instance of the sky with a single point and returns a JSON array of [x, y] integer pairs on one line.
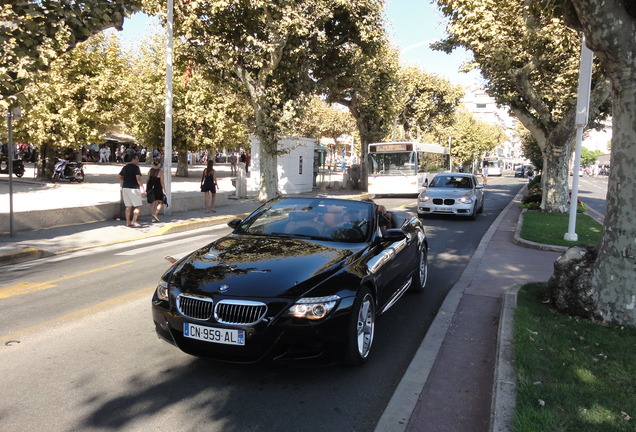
[[413, 25]]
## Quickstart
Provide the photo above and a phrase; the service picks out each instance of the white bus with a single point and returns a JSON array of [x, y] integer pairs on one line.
[[401, 168], [495, 165]]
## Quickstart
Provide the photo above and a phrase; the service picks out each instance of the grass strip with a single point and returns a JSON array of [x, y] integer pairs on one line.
[[549, 228], [572, 374]]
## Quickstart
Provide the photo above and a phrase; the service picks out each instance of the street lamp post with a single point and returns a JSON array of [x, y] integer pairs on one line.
[[167, 166], [582, 108]]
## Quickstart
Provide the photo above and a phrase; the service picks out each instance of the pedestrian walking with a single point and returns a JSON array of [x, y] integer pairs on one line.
[[209, 186], [484, 173], [132, 190], [233, 162], [155, 189]]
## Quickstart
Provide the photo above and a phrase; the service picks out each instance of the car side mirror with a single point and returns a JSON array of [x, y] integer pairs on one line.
[[479, 186], [393, 234], [234, 223]]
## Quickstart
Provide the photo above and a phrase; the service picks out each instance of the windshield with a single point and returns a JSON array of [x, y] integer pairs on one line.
[[313, 218], [402, 163], [456, 182]]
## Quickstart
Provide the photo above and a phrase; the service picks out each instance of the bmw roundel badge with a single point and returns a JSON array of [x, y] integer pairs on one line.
[[223, 288]]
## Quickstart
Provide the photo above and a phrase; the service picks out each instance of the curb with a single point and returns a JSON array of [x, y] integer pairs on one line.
[[533, 245], [504, 396], [23, 255]]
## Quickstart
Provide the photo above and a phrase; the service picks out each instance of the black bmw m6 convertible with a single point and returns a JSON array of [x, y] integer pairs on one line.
[[299, 278]]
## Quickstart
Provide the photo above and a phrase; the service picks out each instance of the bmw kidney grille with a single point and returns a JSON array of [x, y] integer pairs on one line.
[[234, 312]]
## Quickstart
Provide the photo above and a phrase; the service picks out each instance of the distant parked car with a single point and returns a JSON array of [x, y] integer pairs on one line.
[[454, 194]]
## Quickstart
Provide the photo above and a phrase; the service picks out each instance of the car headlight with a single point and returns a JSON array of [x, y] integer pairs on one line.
[[313, 308], [466, 199], [162, 290], [424, 198]]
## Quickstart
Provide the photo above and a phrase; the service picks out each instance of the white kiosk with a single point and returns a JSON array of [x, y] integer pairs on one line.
[[295, 168]]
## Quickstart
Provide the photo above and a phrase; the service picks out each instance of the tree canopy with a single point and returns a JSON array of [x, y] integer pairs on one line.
[[530, 60], [33, 33]]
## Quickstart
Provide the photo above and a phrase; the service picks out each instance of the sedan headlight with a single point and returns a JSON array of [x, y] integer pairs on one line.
[[162, 290], [466, 199], [424, 198], [313, 308]]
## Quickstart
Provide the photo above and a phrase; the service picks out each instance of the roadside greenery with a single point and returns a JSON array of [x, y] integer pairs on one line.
[[572, 374], [549, 228]]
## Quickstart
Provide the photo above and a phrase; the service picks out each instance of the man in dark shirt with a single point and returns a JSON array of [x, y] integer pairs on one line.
[[132, 190]]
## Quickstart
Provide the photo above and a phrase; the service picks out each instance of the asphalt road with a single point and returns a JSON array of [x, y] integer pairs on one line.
[[81, 352]]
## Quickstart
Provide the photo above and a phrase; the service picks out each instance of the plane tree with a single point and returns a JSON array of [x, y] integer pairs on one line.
[[530, 61], [610, 31], [271, 51], [33, 33]]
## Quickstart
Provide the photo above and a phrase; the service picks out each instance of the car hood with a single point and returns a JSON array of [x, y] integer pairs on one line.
[[259, 266], [447, 192]]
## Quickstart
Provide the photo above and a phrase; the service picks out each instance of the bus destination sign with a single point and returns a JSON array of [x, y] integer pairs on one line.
[[391, 148]]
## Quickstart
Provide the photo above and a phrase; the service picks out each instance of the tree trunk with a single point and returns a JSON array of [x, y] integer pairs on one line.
[[268, 168], [182, 164], [610, 30], [46, 161], [554, 178], [615, 266]]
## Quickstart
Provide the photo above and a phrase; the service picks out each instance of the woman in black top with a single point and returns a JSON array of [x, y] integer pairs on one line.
[[156, 184], [208, 186]]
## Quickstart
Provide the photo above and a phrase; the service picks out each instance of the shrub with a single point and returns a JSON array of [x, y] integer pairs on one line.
[[535, 182], [531, 206]]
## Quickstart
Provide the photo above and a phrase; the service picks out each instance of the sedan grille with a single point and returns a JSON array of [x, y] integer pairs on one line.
[[239, 312], [447, 201], [199, 308]]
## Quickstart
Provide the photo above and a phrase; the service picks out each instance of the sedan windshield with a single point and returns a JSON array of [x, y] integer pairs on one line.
[[451, 182], [320, 219]]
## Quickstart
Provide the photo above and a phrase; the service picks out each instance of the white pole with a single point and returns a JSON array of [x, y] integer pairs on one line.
[[582, 108], [450, 157], [167, 165]]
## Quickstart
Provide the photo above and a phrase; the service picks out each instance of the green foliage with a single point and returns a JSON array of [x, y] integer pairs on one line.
[[472, 138], [588, 157], [531, 206], [550, 228], [320, 119], [531, 149], [530, 60], [34, 33], [572, 374], [276, 53], [535, 182], [206, 115], [84, 93], [427, 102]]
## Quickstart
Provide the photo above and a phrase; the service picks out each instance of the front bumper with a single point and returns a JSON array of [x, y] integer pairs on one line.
[[278, 339], [458, 209]]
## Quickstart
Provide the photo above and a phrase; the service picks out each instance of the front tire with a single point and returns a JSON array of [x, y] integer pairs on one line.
[[421, 274], [361, 329], [56, 177]]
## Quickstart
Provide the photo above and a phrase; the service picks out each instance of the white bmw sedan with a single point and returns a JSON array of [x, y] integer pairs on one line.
[[452, 193]]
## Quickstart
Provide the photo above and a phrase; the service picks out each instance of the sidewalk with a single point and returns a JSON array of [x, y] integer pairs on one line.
[[460, 379]]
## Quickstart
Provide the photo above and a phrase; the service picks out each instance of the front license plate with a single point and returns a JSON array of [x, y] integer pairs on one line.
[[443, 209], [215, 335]]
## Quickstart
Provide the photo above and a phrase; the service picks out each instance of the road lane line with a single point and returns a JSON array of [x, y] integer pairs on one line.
[[170, 244], [91, 310], [29, 287]]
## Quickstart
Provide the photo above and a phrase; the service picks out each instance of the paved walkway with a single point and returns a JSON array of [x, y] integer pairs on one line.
[[465, 354]]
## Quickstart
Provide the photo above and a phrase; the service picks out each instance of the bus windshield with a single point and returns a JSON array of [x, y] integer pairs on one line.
[[399, 163]]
